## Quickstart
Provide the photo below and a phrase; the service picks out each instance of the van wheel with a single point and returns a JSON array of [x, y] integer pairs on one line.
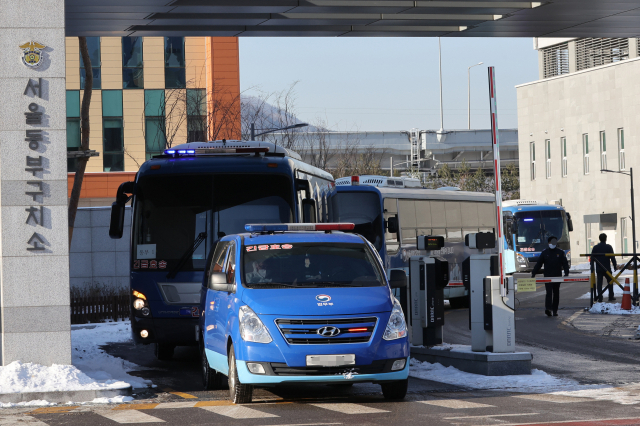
[[395, 390], [239, 393], [211, 379], [164, 351]]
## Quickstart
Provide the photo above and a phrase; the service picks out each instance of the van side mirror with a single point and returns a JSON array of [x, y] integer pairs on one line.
[[309, 210], [392, 224], [397, 278], [569, 223], [218, 282], [116, 224]]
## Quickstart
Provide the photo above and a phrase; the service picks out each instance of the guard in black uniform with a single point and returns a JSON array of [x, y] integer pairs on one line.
[[601, 271], [554, 261]]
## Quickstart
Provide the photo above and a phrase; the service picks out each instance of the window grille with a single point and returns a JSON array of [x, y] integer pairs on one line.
[[556, 60], [593, 52]]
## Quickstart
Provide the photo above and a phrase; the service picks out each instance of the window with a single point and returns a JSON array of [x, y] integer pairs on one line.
[[230, 269], [593, 52], [556, 60], [196, 115], [585, 150], [93, 45], [621, 159], [547, 153], [532, 154], [112, 132], [132, 68], [174, 71], [154, 135], [624, 234], [73, 127], [603, 151], [563, 154]]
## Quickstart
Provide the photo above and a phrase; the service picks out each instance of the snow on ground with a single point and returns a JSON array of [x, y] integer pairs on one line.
[[537, 382], [97, 364], [613, 309], [36, 403]]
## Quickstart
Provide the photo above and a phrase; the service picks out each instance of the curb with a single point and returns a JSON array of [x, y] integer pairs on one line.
[[64, 396]]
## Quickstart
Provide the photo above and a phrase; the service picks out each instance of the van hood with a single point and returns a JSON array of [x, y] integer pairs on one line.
[[319, 301]]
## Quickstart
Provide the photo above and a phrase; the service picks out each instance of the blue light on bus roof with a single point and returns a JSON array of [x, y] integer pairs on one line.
[[180, 151], [170, 151], [528, 220]]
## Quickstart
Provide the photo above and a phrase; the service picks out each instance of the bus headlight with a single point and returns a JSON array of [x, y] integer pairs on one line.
[[396, 327], [251, 328], [138, 304], [521, 259]]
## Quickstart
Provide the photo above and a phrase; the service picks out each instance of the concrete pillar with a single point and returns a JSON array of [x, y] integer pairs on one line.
[[633, 47], [573, 62], [34, 253], [540, 64]]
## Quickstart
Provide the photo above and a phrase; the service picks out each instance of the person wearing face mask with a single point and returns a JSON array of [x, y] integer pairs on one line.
[[603, 266], [554, 261]]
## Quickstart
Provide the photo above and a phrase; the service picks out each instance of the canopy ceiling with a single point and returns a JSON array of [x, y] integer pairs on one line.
[[354, 18]]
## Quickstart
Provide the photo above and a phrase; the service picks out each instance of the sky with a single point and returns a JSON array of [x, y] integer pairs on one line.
[[373, 84]]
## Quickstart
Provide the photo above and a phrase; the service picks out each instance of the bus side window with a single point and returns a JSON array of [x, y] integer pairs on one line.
[[391, 239], [230, 268], [407, 216]]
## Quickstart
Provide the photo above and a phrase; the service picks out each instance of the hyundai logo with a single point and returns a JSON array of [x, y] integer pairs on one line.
[[328, 331], [323, 298]]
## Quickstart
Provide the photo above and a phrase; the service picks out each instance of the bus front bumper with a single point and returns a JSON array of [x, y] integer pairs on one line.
[[172, 331]]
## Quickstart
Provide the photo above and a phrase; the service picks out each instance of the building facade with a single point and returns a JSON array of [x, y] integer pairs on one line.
[[147, 91], [579, 118]]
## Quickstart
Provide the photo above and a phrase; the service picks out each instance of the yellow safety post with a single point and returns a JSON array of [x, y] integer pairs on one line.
[[592, 281]]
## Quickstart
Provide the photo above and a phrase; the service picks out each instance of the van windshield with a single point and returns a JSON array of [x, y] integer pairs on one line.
[[310, 265]]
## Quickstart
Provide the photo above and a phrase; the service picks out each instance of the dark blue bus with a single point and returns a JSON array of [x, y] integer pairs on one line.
[[186, 200]]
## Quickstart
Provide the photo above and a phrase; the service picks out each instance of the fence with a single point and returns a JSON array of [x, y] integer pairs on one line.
[[99, 308]]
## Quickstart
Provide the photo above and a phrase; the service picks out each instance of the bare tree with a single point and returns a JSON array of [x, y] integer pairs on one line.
[[84, 136]]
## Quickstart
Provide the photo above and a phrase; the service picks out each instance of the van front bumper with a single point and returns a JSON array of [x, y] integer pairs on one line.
[[346, 374]]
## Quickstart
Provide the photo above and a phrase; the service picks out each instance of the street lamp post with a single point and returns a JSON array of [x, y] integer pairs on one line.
[[469, 93], [633, 231]]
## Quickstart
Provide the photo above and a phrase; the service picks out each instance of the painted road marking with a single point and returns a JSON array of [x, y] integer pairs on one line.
[[185, 404], [349, 408], [455, 403], [591, 422], [308, 424], [20, 421], [180, 394], [238, 412], [52, 410], [136, 407], [130, 416], [213, 403], [559, 399], [571, 318], [491, 415]]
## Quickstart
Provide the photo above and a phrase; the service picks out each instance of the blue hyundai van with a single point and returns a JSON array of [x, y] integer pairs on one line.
[[301, 303]]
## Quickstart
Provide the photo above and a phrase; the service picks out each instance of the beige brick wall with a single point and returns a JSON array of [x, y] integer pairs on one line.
[[73, 63], [111, 62], [133, 114], [195, 62], [153, 56], [95, 136]]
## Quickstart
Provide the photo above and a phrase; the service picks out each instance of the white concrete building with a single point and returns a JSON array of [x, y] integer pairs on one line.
[[579, 118]]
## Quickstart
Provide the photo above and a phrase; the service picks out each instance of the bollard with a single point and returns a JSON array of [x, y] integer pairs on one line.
[[626, 297], [592, 281]]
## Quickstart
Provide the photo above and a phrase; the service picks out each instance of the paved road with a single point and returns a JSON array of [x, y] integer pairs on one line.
[[578, 345]]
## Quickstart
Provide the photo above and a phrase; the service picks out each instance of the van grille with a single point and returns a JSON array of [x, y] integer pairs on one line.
[[305, 331], [281, 369]]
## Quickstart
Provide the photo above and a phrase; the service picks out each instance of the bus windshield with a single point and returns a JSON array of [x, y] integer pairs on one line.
[[363, 209], [311, 265], [171, 212], [535, 227]]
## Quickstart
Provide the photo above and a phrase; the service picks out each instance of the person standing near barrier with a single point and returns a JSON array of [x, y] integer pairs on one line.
[[602, 266], [554, 261]]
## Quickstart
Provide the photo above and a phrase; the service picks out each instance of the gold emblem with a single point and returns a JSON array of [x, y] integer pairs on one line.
[[32, 54]]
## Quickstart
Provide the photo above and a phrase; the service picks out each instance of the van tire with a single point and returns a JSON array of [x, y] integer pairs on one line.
[[239, 393], [395, 390], [164, 351], [211, 379]]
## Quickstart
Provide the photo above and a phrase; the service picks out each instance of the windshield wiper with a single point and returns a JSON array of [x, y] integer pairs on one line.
[[199, 239], [335, 284], [258, 285]]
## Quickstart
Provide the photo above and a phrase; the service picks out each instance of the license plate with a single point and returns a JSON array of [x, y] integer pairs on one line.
[[331, 360]]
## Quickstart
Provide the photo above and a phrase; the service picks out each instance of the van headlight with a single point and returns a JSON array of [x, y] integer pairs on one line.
[[251, 328], [396, 327]]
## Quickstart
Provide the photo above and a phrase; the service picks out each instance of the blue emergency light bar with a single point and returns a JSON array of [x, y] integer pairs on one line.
[[528, 220], [180, 151], [281, 227]]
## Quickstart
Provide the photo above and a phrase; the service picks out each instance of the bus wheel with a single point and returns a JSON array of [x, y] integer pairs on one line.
[[395, 390], [164, 351], [211, 379], [239, 393]]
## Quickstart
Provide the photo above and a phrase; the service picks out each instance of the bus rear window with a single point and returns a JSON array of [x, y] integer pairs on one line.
[[363, 209]]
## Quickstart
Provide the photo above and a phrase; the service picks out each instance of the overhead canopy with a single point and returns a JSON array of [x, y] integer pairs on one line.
[[354, 18]]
